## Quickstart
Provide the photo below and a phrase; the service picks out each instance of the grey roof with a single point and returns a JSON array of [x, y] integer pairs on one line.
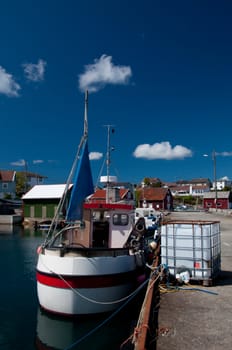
[[200, 180], [220, 194], [45, 191]]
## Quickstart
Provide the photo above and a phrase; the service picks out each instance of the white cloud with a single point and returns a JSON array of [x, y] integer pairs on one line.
[[95, 155], [35, 72], [37, 161], [103, 72], [8, 86], [20, 162], [220, 154], [224, 154], [162, 150]]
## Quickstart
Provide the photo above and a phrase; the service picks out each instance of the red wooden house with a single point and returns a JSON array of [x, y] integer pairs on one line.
[[224, 200], [158, 198]]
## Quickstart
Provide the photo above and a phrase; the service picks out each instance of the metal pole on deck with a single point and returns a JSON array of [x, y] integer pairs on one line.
[[215, 178], [108, 164], [109, 149]]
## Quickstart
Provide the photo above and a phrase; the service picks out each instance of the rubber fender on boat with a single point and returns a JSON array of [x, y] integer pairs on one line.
[[134, 242], [153, 245], [39, 249], [139, 227]]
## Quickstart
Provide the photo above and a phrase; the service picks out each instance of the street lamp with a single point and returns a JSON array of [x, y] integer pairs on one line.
[[215, 176]]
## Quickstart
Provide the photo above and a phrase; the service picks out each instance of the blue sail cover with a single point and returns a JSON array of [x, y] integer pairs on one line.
[[82, 186]]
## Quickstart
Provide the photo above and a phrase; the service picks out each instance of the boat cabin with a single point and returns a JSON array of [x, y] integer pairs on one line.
[[110, 223]]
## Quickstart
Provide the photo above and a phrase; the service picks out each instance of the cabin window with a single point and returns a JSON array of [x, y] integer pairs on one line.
[[120, 219], [100, 215], [96, 215]]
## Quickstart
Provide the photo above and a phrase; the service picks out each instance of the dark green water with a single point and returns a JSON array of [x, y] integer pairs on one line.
[[24, 326]]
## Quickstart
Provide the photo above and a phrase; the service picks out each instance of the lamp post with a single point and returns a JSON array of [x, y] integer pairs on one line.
[[214, 176]]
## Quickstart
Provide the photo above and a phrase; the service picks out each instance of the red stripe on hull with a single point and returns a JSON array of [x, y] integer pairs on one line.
[[85, 281]]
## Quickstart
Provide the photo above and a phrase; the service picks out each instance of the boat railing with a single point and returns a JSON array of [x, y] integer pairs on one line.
[[79, 250]]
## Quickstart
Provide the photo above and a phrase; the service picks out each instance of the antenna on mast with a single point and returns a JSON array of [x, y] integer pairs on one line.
[[86, 114], [108, 153]]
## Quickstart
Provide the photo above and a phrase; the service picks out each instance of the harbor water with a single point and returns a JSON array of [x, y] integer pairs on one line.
[[25, 326]]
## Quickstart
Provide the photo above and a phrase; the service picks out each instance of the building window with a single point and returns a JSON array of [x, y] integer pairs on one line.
[[5, 186]]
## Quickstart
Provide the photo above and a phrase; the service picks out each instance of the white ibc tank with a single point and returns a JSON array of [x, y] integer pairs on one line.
[[194, 246]]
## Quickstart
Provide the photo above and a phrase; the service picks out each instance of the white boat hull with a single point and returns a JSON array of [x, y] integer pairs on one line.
[[80, 285]]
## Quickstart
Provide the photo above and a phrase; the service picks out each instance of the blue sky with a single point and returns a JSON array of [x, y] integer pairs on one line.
[[160, 72]]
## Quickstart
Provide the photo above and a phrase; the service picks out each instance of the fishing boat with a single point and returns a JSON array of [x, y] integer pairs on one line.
[[93, 255]]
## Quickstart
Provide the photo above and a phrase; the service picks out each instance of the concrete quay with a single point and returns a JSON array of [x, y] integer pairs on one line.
[[198, 319]]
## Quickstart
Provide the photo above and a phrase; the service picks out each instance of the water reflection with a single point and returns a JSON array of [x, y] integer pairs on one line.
[[31, 231], [18, 299], [92, 332], [59, 333], [10, 229], [52, 333]]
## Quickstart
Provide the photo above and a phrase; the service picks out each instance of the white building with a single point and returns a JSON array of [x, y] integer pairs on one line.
[[222, 183]]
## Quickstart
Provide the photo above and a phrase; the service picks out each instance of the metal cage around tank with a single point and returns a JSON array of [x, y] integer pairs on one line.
[[193, 246]]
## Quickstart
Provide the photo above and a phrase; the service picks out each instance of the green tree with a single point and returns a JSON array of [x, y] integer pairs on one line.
[[157, 184], [21, 184], [146, 181]]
